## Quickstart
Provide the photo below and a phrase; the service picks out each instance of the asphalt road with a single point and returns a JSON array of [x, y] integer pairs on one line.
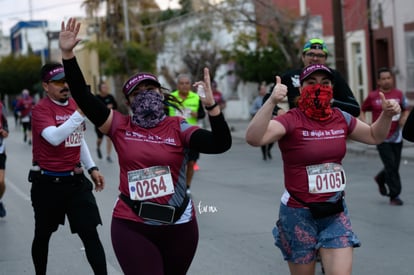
[[236, 196]]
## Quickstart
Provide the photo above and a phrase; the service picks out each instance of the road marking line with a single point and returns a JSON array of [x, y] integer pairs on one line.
[[17, 190]]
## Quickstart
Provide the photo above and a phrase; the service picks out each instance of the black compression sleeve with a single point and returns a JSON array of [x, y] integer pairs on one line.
[[216, 141], [200, 112], [94, 109]]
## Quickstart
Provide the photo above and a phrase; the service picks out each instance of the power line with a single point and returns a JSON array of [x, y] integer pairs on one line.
[[49, 7]]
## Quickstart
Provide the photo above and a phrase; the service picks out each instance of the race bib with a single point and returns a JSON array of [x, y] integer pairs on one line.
[[396, 117], [187, 113], [326, 178], [74, 139], [149, 183]]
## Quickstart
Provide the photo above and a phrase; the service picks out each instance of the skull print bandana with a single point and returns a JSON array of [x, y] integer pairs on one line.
[[315, 101]]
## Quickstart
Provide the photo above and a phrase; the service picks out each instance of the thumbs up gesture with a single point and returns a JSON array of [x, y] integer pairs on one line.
[[390, 107], [279, 91]]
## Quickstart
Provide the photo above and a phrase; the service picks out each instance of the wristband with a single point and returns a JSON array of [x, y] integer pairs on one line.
[[209, 108], [94, 168]]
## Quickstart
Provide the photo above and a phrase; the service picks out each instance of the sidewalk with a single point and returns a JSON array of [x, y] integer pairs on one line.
[[239, 130]]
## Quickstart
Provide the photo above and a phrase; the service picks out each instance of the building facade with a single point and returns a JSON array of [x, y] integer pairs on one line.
[[376, 34]]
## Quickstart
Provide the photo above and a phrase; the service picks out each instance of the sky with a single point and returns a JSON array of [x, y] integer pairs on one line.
[[12, 11]]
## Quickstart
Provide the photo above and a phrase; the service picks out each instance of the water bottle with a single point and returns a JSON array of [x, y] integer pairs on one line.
[[200, 91]]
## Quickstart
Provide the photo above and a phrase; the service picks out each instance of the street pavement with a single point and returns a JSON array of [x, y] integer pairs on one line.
[[236, 197]]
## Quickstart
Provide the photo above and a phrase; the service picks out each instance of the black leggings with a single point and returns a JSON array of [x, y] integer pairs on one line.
[[155, 250], [93, 248]]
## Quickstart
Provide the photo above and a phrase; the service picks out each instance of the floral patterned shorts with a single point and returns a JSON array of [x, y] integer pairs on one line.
[[299, 235]]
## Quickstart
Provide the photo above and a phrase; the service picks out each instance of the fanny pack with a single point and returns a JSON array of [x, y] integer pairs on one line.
[[321, 210], [156, 212]]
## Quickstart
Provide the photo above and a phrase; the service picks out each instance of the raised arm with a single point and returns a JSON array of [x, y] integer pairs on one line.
[[219, 139], [92, 107], [378, 131], [261, 130]]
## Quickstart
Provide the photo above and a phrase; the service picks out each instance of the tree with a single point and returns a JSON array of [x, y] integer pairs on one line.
[[18, 73], [272, 48], [117, 56], [186, 6], [256, 65], [191, 41]]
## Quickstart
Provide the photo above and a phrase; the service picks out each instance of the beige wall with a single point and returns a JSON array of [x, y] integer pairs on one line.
[[88, 60]]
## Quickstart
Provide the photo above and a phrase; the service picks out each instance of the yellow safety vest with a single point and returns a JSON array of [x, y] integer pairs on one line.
[[190, 104]]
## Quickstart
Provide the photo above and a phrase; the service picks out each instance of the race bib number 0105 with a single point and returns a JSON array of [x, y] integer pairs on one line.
[[326, 178], [149, 183]]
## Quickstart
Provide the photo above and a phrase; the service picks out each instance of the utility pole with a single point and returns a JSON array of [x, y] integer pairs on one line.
[[126, 20], [30, 10], [338, 27]]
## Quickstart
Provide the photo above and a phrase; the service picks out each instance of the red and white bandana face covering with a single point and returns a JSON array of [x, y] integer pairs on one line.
[[315, 101]]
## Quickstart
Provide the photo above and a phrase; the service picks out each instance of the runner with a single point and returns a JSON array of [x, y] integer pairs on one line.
[[313, 215], [154, 228], [4, 133]]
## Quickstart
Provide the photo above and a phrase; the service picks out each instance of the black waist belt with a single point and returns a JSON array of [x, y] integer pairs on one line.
[[156, 212]]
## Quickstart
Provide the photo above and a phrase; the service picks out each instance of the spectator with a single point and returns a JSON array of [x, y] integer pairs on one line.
[[315, 52], [192, 111], [254, 107]]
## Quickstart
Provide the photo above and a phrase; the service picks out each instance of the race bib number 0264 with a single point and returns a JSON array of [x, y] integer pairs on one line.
[[149, 183], [326, 177]]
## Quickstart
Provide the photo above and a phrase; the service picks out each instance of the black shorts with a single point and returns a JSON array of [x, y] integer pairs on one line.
[[3, 158], [193, 155], [72, 197], [27, 126], [98, 133]]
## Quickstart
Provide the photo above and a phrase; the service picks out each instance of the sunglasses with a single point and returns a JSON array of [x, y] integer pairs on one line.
[[318, 55], [317, 46]]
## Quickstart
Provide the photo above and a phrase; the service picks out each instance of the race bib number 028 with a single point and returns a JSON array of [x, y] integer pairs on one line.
[[149, 183], [325, 178]]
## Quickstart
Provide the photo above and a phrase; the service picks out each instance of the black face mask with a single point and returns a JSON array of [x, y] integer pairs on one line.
[[148, 109]]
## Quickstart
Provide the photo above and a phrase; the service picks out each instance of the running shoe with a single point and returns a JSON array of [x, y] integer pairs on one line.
[[396, 201], [2, 210], [99, 153], [108, 159], [381, 186]]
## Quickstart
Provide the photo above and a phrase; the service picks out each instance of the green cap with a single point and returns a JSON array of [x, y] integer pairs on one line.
[[315, 43]]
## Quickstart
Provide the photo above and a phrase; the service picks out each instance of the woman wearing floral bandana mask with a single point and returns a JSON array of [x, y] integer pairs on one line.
[[154, 228], [313, 214]]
